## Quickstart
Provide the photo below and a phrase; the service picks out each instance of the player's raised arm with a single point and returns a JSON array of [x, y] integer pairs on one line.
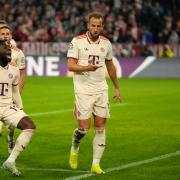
[[73, 57], [73, 66]]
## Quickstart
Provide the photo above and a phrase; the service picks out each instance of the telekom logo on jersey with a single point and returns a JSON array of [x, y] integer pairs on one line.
[[3, 88], [93, 59]]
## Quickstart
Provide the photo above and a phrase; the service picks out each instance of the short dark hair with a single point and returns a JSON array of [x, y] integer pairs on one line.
[[4, 26], [95, 15]]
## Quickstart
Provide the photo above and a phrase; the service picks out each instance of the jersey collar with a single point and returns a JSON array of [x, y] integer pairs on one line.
[[90, 41]]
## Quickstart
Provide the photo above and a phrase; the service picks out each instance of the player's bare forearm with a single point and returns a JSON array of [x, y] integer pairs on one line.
[[73, 66], [112, 74]]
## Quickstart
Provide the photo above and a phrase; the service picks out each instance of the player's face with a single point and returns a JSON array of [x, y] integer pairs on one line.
[[95, 28], [5, 34]]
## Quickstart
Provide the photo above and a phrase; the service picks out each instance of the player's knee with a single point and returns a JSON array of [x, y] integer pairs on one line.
[[80, 132], [26, 123], [30, 124], [99, 126]]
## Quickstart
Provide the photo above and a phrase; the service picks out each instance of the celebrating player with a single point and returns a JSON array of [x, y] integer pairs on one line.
[[87, 56], [11, 112], [17, 58]]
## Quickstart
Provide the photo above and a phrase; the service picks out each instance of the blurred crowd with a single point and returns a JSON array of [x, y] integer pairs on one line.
[[126, 21]]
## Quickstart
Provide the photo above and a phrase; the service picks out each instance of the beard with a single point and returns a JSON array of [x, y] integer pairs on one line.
[[94, 36]]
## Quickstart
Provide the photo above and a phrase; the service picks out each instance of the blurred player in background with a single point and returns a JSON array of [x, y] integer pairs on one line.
[[17, 55], [17, 58], [3, 23], [87, 56], [11, 112]]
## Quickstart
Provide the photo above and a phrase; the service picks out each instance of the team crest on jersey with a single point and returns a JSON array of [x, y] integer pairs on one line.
[[70, 46], [10, 75], [102, 49]]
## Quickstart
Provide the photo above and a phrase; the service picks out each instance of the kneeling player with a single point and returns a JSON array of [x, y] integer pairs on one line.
[[12, 114]]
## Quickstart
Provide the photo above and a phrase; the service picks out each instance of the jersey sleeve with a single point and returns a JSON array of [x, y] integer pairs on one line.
[[17, 77], [109, 55], [73, 49], [21, 60]]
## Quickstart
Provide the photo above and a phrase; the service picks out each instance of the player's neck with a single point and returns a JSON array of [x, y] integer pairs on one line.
[[92, 38]]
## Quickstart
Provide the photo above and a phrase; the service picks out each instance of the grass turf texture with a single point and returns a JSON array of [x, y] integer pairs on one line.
[[145, 125]]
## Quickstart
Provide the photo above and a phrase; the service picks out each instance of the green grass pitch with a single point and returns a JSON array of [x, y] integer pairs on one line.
[[144, 126]]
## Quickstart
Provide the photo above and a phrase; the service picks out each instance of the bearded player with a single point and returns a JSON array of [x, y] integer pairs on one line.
[[88, 54]]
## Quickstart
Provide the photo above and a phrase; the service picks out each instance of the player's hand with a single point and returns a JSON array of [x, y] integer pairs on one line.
[[92, 67], [117, 97], [12, 63]]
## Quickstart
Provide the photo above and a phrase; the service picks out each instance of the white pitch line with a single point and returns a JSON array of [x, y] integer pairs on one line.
[[129, 165], [66, 110], [50, 112], [88, 174]]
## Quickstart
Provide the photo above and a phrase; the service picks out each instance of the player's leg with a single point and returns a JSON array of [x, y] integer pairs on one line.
[[10, 139], [101, 113], [82, 112], [78, 134], [98, 144], [1, 125], [10, 134], [27, 127]]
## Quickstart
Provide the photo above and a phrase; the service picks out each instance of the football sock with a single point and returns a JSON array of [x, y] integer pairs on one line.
[[21, 143], [98, 146], [78, 134], [10, 134]]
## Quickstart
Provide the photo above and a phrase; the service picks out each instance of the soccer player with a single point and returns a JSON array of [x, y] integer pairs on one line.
[[11, 112], [4, 23], [17, 58], [88, 54]]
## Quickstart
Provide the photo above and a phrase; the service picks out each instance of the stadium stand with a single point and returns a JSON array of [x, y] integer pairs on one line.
[[137, 21]]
